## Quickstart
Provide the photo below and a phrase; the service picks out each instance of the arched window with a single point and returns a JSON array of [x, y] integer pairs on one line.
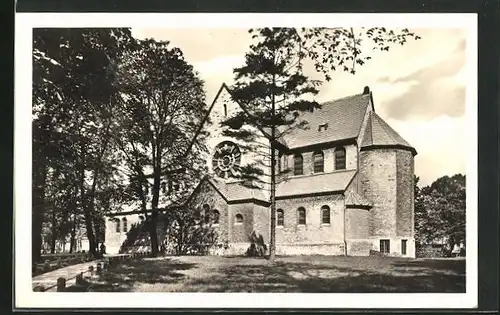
[[325, 215], [340, 158], [215, 217], [280, 217], [117, 222], [301, 216], [298, 164], [318, 162], [125, 227], [238, 219], [206, 213]]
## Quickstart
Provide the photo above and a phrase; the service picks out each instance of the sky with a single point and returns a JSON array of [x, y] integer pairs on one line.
[[418, 88]]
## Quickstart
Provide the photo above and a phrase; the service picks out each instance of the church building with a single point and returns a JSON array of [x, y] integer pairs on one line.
[[344, 184]]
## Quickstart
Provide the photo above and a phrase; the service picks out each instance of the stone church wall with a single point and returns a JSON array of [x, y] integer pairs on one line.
[[313, 232]]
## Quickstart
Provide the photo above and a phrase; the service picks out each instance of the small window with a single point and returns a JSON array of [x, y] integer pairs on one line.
[[238, 219], [225, 109], [280, 217], [318, 162], [125, 227], [325, 215], [403, 247], [298, 164], [340, 158], [163, 187], [301, 216], [385, 246], [215, 217], [117, 222], [206, 213]]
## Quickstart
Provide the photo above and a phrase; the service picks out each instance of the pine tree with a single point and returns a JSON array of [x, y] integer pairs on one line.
[[273, 89]]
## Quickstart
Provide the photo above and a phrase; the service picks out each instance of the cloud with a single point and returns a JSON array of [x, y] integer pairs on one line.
[[438, 89], [439, 143]]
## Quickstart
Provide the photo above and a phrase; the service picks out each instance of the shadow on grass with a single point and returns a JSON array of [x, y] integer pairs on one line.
[[122, 278], [314, 278]]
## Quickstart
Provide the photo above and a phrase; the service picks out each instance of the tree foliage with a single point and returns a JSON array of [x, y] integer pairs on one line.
[[163, 105], [440, 211]]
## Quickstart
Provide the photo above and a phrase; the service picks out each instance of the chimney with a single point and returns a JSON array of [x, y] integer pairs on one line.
[[366, 90]]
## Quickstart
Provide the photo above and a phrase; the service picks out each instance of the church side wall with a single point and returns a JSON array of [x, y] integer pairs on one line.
[[405, 201], [313, 232], [113, 238]]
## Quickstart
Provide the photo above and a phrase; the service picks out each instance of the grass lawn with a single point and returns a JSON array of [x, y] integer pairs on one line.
[[286, 274]]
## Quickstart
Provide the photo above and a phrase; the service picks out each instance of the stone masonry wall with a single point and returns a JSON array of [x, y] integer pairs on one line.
[[379, 185], [329, 160], [208, 195], [240, 232], [314, 231], [405, 193]]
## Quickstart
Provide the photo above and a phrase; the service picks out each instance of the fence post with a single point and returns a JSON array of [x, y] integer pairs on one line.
[[99, 268], [79, 278], [61, 284]]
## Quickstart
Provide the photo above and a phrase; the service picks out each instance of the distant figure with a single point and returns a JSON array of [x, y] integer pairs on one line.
[[102, 250], [456, 250]]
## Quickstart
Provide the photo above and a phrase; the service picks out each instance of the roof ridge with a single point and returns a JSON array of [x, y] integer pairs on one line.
[[343, 98]]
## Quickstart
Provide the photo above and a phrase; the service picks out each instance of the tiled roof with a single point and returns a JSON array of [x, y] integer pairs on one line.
[[236, 191], [343, 116], [354, 199], [323, 183], [379, 133]]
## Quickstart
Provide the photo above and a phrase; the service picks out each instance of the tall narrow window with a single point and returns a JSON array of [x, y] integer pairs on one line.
[[340, 158], [225, 109], [318, 162], [215, 217], [206, 213], [301, 216], [280, 217], [385, 246], [298, 164], [117, 222], [403, 247], [125, 227], [325, 215], [163, 187], [170, 184]]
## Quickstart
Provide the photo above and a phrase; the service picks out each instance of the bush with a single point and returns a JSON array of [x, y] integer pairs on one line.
[[258, 247]]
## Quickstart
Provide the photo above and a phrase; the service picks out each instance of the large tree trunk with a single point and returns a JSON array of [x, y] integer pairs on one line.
[[38, 205], [54, 232], [87, 214], [73, 235]]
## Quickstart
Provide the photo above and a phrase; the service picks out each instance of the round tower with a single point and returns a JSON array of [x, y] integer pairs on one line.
[[386, 170]]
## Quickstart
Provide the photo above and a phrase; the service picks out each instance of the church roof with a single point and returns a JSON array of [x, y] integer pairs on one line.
[[315, 184], [343, 118], [379, 134], [354, 199], [236, 191]]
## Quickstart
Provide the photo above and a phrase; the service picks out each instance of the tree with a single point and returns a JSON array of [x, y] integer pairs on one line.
[[163, 102], [440, 211], [273, 88], [73, 97]]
